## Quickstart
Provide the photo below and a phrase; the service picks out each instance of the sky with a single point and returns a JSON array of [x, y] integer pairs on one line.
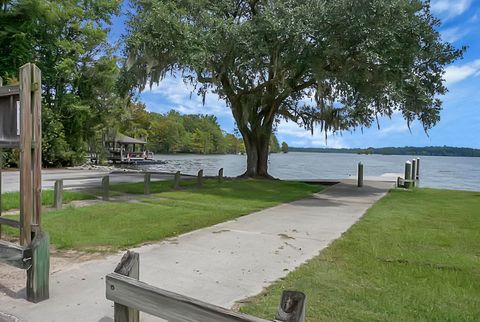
[[460, 117]]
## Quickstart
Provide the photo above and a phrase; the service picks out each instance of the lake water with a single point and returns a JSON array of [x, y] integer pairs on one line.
[[461, 173]]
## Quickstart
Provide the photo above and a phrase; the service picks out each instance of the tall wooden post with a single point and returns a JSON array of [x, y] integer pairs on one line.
[[200, 178], [414, 172], [220, 175], [39, 271], [1, 167], [37, 145], [418, 169], [128, 266], [58, 194], [408, 174], [176, 180], [26, 192], [360, 175]]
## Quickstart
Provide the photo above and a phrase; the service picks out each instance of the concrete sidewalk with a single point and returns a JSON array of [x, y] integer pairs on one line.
[[221, 264]]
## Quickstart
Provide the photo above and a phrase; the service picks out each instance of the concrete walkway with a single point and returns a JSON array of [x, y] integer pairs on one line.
[[221, 264]]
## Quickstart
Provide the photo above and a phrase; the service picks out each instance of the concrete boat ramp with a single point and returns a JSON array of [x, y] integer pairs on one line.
[[221, 264]]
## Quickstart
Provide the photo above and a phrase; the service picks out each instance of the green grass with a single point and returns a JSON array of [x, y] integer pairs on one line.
[[115, 225], [155, 186], [11, 200], [415, 256]]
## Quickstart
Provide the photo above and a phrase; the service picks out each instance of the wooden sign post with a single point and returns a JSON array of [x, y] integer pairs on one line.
[[21, 127]]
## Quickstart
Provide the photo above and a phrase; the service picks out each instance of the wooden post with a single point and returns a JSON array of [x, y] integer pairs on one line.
[[360, 175], [200, 178], [176, 180], [39, 271], [128, 266], [146, 184], [414, 172], [1, 167], [418, 169], [292, 307], [105, 188], [26, 191], [220, 175], [408, 174], [58, 194], [37, 144]]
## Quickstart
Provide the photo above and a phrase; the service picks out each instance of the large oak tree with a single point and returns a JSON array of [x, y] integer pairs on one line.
[[332, 64]]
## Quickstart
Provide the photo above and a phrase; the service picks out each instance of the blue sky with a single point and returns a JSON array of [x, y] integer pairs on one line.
[[460, 118]]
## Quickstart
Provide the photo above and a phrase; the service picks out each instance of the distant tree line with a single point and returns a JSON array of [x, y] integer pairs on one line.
[[408, 150]]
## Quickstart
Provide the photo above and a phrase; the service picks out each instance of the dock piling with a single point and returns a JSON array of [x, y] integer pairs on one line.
[[105, 188], [360, 175], [176, 180], [200, 178], [408, 174], [220, 175]]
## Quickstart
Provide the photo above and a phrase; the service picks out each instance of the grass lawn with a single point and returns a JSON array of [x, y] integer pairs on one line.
[[115, 225], [415, 256], [11, 200]]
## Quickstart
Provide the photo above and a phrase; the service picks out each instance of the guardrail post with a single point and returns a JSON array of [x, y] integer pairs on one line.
[[176, 180], [418, 169], [200, 178], [39, 271], [58, 194], [105, 188], [360, 175], [220, 175], [292, 307], [408, 174], [128, 266], [146, 184]]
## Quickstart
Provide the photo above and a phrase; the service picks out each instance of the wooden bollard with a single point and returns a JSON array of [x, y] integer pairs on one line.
[[58, 194], [105, 188], [39, 272], [360, 175], [176, 180], [408, 174], [418, 169], [200, 178], [220, 175], [128, 266], [292, 307], [414, 172], [146, 183]]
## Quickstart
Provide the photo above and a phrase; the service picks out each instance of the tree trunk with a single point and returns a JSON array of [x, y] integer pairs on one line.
[[257, 146]]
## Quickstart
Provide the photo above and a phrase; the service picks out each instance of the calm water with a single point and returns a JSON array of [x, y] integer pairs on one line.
[[437, 172]]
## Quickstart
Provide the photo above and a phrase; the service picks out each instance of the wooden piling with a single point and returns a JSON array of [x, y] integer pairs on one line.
[[39, 272], [58, 194], [146, 183], [1, 167], [200, 178], [220, 175], [105, 188], [176, 180], [408, 174], [418, 169], [414, 172], [360, 175]]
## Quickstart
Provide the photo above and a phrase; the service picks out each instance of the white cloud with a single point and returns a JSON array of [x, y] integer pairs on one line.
[[183, 98], [453, 34], [457, 73], [450, 8], [297, 136]]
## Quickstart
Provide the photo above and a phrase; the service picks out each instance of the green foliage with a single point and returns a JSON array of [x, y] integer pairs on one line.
[[67, 41], [412, 257], [274, 145], [284, 147], [355, 60], [11, 200]]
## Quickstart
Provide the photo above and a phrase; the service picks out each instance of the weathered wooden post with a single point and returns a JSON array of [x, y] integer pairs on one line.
[[176, 180], [58, 194], [39, 271], [292, 307], [1, 167], [220, 175], [408, 174], [146, 184], [105, 188], [128, 266], [200, 178], [414, 172], [360, 175], [418, 169]]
